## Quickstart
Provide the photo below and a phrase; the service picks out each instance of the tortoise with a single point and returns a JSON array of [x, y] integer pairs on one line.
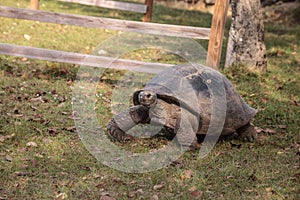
[[180, 99]]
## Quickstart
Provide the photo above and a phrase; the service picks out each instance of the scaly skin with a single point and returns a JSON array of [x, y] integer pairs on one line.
[[125, 120], [247, 132]]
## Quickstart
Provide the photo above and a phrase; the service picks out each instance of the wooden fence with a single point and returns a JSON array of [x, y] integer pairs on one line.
[[145, 9], [213, 34]]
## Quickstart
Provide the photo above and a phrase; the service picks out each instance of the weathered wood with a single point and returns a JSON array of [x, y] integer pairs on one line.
[[148, 15], [106, 23], [217, 33], [133, 7], [81, 59], [34, 4]]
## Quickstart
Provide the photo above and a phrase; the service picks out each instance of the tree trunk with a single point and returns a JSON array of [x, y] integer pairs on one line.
[[246, 36]]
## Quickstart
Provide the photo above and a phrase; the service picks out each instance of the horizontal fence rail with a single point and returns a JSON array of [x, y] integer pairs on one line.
[[82, 59], [214, 34], [133, 7], [106, 23]]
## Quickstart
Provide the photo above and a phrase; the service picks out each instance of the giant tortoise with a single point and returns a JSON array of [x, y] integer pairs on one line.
[[180, 99]]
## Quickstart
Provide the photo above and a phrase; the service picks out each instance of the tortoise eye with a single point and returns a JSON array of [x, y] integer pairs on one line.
[[148, 95]]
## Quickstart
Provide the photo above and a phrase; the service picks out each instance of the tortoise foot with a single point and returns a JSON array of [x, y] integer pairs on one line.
[[195, 145], [247, 133], [116, 133]]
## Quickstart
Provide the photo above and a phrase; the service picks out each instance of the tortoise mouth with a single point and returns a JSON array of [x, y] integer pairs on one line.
[[147, 98]]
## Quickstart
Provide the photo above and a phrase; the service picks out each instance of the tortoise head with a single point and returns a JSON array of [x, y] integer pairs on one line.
[[147, 98]]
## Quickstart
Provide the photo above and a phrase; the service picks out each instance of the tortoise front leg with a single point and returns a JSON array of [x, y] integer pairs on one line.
[[124, 121], [186, 129]]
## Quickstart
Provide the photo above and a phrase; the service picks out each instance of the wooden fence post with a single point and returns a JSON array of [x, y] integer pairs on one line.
[[34, 4], [217, 33], [148, 15]]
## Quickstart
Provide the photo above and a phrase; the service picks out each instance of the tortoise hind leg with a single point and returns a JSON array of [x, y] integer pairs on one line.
[[247, 132], [126, 120]]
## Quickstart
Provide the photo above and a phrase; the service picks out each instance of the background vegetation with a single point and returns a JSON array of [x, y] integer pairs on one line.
[[41, 156]]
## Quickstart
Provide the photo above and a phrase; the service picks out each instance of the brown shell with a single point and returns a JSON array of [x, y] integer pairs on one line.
[[192, 87]]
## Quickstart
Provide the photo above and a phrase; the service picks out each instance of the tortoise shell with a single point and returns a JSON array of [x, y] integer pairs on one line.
[[193, 87]]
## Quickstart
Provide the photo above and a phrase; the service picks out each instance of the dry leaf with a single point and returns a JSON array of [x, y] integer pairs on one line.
[[34, 163], [33, 107], [154, 197], [131, 194], [187, 174], [248, 190], [101, 185], [132, 182], [264, 100], [31, 144], [17, 173], [258, 129], [282, 126], [36, 99], [71, 128], [192, 189], [280, 53], [53, 131], [2, 138], [106, 197], [8, 158], [61, 196], [197, 194], [280, 152], [269, 191], [24, 59], [117, 180], [140, 191], [27, 37], [159, 186], [270, 131], [5, 137]]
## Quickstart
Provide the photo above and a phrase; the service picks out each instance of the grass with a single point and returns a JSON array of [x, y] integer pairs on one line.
[[35, 106]]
